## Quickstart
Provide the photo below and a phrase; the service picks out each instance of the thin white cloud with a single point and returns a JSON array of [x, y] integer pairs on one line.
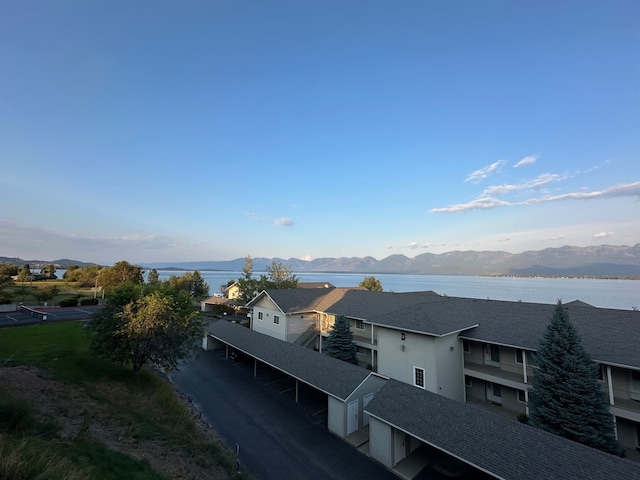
[[528, 160], [625, 190], [533, 183], [603, 234], [485, 172], [255, 216], [488, 201], [483, 203], [283, 222]]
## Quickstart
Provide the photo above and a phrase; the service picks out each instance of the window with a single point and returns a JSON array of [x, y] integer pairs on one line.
[[466, 346], [519, 356], [635, 385], [360, 324], [360, 350], [276, 319], [522, 397], [467, 381], [495, 353], [601, 373], [259, 315], [418, 377], [532, 359]]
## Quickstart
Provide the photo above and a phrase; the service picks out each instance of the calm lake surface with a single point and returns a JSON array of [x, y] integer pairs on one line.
[[620, 294]]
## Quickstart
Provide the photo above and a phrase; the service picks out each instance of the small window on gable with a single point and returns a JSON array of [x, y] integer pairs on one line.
[[466, 346], [259, 315], [418, 377], [276, 319], [360, 324]]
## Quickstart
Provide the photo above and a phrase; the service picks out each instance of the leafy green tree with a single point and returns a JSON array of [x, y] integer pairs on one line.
[[154, 277], [48, 270], [281, 276], [121, 273], [340, 343], [22, 292], [5, 281], [247, 285], [24, 275], [566, 398], [46, 292], [371, 283], [8, 270], [157, 329], [192, 283]]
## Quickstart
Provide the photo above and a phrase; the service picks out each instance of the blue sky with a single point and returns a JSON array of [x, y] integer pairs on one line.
[[210, 130]]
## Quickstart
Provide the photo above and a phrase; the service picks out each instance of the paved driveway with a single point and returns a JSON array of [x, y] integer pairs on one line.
[[277, 437]]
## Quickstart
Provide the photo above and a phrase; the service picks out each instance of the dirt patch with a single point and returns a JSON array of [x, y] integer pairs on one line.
[[77, 413]]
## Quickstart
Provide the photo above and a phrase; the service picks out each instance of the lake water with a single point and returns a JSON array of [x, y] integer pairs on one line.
[[620, 294]]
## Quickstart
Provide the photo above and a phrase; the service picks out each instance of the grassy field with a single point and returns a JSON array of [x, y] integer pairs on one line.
[[23, 292], [144, 412]]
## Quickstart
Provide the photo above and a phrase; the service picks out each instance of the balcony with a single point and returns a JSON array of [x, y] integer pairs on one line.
[[625, 407], [364, 338], [495, 375]]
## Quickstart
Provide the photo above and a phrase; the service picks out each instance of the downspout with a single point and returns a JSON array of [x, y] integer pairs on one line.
[[526, 381], [611, 401]]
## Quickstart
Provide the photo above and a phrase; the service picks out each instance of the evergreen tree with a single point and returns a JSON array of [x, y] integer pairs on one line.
[[566, 398], [154, 277], [340, 342]]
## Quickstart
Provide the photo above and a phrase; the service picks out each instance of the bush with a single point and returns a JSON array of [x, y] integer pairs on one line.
[[5, 299], [89, 301], [68, 302]]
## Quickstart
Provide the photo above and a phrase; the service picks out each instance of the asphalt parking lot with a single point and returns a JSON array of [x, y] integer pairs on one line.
[[277, 438]]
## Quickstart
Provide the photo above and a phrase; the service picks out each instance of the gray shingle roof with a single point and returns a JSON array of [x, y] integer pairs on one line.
[[334, 377], [495, 444], [610, 336]]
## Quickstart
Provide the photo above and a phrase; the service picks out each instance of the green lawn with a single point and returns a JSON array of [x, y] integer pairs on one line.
[[145, 406]]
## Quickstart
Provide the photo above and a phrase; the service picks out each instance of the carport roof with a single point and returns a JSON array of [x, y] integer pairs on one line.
[[502, 447], [332, 376]]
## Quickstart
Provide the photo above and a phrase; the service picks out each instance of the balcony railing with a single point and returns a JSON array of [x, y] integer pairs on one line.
[[497, 373]]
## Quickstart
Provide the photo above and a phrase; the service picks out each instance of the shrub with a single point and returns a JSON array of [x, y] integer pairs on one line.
[[89, 301], [5, 299], [69, 302]]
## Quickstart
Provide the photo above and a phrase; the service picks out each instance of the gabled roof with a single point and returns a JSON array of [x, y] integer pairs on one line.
[[434, 318], [502, 447], [332, 376], [610, 336]]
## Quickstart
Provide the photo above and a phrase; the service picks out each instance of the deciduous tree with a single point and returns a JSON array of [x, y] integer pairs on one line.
[[340, 343], [566, 398], [371, 283], [121, 273], [156, 329]]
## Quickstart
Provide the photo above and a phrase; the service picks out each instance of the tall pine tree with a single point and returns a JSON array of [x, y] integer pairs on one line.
[[566, 398], [340, 342]]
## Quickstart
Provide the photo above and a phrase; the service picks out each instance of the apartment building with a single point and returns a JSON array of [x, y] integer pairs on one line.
[[477, 351]]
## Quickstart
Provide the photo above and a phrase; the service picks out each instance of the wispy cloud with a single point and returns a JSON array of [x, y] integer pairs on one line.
[[603, 234], [256, 216], [485, 172], [528, 160], [488, 199], [283, 222]]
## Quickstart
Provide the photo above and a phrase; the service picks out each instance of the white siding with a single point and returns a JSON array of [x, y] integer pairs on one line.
[[269, 310], [397, 358], [450, 378], [336, 417], [380, 442]]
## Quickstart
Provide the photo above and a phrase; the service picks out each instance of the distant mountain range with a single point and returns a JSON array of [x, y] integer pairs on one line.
[[601, 261], [604, 260]]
